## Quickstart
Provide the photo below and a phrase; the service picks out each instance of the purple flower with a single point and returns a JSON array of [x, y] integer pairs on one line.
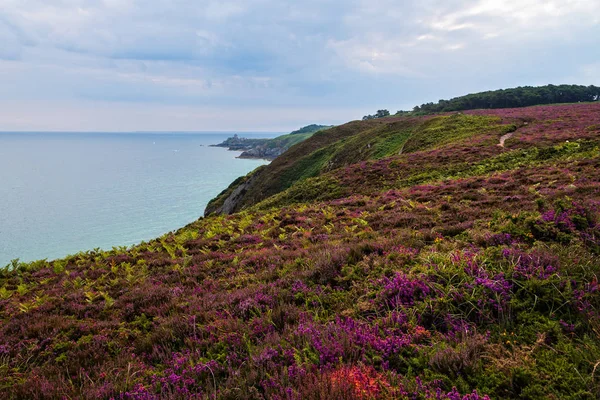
[[401, 291], [535, 264]]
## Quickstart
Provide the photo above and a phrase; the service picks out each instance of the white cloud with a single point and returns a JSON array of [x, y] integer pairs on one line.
[[457, 46], [412, 44]]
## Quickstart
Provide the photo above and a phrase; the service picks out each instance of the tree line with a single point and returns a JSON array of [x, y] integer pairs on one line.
[[378, 114], [512, 98]]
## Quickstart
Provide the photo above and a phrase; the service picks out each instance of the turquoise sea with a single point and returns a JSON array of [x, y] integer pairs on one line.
[[61, 193]]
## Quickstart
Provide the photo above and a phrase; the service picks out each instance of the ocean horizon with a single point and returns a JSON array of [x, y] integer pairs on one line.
[[65, 192]]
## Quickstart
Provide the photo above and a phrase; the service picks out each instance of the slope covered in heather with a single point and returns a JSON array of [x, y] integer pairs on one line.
[[348, 144], [419, 260]]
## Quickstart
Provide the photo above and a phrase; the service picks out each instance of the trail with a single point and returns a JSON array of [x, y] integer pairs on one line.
[[507, 136], [504, 138]]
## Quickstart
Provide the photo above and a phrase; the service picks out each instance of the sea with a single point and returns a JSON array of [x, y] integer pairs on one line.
[[62, 193]]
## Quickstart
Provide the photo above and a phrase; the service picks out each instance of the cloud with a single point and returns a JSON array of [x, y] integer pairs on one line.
[[421, 32], [309, 55]]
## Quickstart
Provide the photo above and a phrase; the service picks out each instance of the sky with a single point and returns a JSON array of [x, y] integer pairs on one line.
[[274, 65]]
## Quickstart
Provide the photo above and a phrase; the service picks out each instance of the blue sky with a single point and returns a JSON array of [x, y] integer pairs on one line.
[[266, 65]]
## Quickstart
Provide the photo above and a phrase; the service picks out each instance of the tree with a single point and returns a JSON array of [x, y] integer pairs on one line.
[[378, 114]]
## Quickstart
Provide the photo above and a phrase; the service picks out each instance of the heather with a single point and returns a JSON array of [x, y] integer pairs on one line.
[[436, 265], [349, 144]]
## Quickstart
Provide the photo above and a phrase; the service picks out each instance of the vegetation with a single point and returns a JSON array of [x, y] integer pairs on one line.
[[517, 97], [273, 148], [310, 129], [402, 258], [238, 143], [378, 114], [352, 143]]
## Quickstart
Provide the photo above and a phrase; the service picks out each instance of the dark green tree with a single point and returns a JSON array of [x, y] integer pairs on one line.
[[516, 97], [378, 114]]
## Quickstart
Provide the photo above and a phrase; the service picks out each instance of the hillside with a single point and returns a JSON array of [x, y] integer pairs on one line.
[[435, 257], [310, 129], [379, 135], [348, 144]]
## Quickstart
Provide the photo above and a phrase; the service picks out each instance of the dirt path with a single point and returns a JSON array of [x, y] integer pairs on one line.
[[504, 138]]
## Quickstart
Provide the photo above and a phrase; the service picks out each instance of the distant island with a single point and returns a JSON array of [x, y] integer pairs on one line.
[[269, 149]]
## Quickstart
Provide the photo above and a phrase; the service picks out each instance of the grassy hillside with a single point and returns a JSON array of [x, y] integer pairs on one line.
[[354, 142], [310, 129], [410, 258]]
